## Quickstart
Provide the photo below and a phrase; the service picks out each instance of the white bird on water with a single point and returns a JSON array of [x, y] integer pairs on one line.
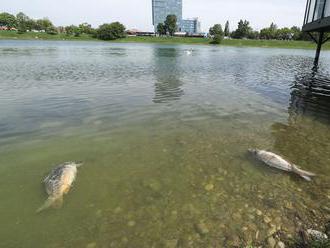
[[189, 52]]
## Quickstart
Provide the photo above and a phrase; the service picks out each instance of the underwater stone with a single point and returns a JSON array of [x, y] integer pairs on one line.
[[234, 242], [271, 242], [152, 184], [201, 228], [325, 208], [267, 219], [171, 243], [209, 187], [258, 212], [327, 228], [131, 223], [271, 231], [237, 216], [91, 245], [316, 235], [117, 210], [280, 244], [98, 213]]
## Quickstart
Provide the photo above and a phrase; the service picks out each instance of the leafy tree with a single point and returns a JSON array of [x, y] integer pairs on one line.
[[217, 39], [170, 24], [243, 30], [111, 31], [161, 29], [73, 30], [30, 24], [217, 33], [254, 35], [227, 31], [269, 33], [44, 24], [22, 22], [284, 34], [216, 29], [52, 30], [86, 28], [273, 30], [297, 33], [61, 29], [7, 20]]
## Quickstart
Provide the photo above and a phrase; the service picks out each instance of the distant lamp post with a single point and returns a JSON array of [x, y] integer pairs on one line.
[[317, 19]]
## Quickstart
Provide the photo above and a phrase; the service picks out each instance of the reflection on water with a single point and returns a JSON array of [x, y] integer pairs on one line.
[[168, 86], [306, 134], [311, 96], [163, 137]]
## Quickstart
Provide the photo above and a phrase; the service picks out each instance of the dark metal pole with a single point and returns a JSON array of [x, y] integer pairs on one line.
[[318, 51]]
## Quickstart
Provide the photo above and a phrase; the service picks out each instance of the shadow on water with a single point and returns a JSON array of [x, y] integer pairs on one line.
[[168, 86]]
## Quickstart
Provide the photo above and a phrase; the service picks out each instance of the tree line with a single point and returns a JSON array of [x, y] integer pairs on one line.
[[245, 31], [23, 23]]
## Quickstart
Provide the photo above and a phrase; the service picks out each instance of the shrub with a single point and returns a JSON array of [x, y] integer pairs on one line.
[[111, 31]]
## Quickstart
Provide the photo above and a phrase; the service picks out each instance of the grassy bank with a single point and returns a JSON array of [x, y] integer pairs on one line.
[[168, 40], [229, 42], [13, 35]]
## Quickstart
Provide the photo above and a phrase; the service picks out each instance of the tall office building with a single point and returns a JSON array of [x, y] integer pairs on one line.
[[191, 26], [162, 8]]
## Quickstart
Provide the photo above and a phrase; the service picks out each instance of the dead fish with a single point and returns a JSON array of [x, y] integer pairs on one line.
[[58, 183], [276, 161]]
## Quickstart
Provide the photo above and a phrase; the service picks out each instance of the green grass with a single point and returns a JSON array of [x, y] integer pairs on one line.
[[168, 40], [229, 42], [13, 35]]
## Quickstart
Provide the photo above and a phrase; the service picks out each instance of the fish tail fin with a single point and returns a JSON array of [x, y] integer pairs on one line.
[[55, 202], [58, 202], [304, 174], [49, 202]]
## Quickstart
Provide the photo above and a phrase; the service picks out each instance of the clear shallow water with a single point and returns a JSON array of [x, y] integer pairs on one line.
[[164, 137]]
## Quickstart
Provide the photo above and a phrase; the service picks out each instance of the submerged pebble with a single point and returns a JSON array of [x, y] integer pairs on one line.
[[267, 220], [209, 187], [91, 245], [131, 223], [280, 244], [201, 228], [316, 235], [271, 242], [271, 231], [171, 243]]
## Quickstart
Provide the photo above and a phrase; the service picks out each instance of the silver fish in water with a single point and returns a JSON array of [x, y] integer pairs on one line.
[[276, 161], [58, 183]]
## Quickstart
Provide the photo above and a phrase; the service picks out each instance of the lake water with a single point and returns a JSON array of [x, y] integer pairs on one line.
[[164, 136]]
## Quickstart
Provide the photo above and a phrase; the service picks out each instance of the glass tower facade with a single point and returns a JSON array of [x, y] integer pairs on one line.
[[191, 26], [317, 16], [316, 10], [162, 8]]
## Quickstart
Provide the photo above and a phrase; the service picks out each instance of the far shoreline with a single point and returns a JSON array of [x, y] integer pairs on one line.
[[9, 35]]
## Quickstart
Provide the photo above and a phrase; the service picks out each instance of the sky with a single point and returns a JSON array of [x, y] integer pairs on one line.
[[137, 13]]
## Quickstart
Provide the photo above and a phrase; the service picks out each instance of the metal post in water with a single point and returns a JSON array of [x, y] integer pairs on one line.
[[318, 51]]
